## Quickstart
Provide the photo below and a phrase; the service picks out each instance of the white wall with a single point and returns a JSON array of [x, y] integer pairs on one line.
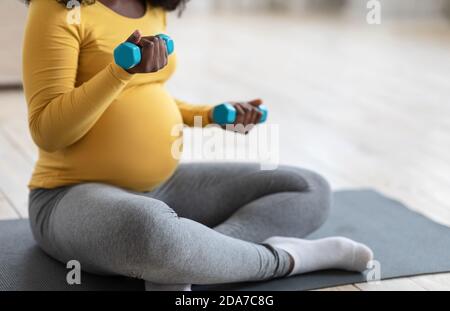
[[292, 5], [392, 8], [13, 13], [12, 20]]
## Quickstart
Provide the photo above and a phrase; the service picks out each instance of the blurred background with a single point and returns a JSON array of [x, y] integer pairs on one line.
[[13, 14], [366, 105]]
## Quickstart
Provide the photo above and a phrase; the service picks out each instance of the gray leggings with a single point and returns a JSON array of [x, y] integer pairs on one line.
[[204, 225]]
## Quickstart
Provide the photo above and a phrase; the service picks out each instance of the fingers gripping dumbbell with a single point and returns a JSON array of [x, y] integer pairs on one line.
[[226, 114], [128, 55]]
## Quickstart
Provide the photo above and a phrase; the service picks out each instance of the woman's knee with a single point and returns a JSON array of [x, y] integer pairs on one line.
[[318, 190], [318, 184], [154, 243], [305, 179], [133, 243]]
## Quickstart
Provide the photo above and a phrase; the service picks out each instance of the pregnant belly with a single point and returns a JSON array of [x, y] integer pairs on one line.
[[131, 144]]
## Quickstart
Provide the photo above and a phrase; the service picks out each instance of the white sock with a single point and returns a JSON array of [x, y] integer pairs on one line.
[[330, 253], [154, 287]]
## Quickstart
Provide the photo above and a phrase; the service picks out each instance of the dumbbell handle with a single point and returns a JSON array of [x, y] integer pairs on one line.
[[128, 55], [226, 114]]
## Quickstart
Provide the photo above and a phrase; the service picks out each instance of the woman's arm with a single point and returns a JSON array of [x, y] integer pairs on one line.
[[189, 112], [59, 113], [248, 114]]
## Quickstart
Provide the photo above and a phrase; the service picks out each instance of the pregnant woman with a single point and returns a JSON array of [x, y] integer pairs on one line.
[[106, 190]]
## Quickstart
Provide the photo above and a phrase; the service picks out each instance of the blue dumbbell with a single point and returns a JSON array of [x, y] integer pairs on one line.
[[226, 114], [128, 55]]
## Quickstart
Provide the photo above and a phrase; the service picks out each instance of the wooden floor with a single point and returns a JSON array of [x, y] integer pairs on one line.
[[367, 106]]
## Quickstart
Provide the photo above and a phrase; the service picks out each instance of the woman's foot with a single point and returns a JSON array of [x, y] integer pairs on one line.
[[153, 287], [329, 253]]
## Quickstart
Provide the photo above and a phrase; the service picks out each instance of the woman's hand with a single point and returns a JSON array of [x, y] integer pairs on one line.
[[153, 51], [248, 115]]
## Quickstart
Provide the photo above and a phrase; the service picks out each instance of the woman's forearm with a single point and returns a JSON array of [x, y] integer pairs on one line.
[[190, 112]]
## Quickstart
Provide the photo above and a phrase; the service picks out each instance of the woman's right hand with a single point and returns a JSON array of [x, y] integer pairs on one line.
[[153, 51]]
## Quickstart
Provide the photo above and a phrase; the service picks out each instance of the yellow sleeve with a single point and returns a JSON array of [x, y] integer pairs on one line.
[[189, 112], [59, 113]]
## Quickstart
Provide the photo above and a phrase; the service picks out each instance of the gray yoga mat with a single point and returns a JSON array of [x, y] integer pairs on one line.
[[404, 242]]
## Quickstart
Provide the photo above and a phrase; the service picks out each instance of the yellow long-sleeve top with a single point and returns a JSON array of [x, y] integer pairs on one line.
[[92, 120]]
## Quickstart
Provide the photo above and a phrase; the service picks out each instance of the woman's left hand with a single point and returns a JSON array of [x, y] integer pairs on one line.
[[248, 115]]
